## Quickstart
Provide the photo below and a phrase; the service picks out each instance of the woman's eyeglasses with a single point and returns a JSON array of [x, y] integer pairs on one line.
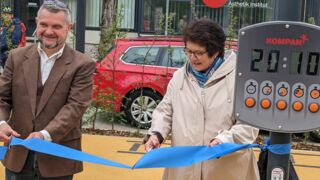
[[196, 54], [55, 3]]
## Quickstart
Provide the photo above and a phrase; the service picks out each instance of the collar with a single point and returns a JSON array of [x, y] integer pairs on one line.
[[56, 55]]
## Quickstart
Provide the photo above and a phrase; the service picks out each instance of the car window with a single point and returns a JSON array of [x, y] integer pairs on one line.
[[141, 55], [173, 57]]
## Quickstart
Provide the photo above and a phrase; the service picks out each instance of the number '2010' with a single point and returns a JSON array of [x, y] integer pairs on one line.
[[295, 60]]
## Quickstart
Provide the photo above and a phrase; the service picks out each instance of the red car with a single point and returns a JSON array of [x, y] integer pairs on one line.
[[134, 76]]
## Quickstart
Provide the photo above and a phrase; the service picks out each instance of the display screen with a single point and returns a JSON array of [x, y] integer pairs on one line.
[[273, 61], [313, 62], [257, 63], [295, 61]]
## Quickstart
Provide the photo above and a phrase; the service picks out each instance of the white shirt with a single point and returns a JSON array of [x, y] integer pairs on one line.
[[46, 64]]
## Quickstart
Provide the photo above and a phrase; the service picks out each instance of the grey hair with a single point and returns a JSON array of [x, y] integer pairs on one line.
[[56, 9]]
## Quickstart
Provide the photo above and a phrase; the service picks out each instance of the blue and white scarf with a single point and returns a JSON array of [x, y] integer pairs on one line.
[[202, 77]]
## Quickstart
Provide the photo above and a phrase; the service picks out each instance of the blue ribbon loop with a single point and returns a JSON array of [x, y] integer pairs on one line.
[[169, 157]]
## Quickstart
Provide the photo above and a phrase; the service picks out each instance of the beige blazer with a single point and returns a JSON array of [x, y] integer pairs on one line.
[[65, 97]]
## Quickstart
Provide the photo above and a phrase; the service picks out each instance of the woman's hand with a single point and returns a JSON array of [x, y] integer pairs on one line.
[[152, 143], [214, 142]]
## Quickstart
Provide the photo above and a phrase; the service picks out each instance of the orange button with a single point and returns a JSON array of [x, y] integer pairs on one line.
[[281, 104], [265, 103], [250, 102], [315, 93], [313, 107], [297, 106]]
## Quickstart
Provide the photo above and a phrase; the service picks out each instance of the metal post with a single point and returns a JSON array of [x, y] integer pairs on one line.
[[287, 10], [278, 165], [17, 7], [80, 25], [167, 16]]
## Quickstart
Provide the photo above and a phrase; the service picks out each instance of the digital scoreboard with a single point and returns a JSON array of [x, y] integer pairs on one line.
[[278, 76]]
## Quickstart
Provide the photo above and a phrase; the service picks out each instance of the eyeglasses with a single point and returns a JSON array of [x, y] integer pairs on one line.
[[196, 54], [55, 3]]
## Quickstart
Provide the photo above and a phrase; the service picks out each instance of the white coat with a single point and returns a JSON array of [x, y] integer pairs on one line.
[[195, 115]]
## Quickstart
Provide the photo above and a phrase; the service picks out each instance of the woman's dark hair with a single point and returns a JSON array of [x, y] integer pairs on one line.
[[206, 33]]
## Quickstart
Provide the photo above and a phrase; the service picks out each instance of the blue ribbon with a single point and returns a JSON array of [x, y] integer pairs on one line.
[[3, 151], [54, 149], [169, 157]]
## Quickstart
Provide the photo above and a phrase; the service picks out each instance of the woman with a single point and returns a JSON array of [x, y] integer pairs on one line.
[[198, 106]]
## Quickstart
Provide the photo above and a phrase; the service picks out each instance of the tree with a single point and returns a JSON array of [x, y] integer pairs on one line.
[[109, 16]]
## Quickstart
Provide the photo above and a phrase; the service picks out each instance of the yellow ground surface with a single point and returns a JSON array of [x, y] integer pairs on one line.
[[128, 151]]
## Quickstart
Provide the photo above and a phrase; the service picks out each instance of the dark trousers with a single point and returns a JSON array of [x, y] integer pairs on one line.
[[30, 171]]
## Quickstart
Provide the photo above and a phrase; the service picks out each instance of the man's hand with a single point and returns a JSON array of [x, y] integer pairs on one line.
[[152, 143], [214, 142], [35, 135], [6, 132]]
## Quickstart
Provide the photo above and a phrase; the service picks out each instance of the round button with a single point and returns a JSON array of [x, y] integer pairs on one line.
[[283, 91], [313, 107], [298, 92], [265, 103], [267, 90], [281, 105], [250, 102], [297, 106], [251, 89], [315, 93]]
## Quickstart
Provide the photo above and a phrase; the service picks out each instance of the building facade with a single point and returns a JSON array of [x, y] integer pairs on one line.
[[146, 17]]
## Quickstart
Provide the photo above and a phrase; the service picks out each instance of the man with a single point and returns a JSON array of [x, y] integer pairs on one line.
[[13, 33], [44, 91]]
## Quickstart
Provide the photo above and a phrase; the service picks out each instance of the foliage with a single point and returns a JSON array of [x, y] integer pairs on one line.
[[110, 33], [170, 28], [231, 32], [104, 102]]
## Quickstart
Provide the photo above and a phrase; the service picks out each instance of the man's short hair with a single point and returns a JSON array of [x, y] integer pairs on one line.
[[56, 6]]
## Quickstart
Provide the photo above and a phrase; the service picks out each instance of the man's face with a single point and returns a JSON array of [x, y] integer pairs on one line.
[[7, 17], [52, 29]]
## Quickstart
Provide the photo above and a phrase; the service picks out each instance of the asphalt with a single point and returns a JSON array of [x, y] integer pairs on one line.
[[128, 150]]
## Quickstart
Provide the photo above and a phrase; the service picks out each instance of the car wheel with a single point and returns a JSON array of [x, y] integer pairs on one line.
[[139, 107]]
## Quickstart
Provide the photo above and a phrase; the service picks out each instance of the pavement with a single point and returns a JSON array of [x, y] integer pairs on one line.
[[128, 150]]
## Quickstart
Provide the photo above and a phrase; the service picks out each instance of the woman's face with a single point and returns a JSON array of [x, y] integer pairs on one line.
[[198, 56]]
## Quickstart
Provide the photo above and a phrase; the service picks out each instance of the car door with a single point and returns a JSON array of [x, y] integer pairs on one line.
[[172, 58]]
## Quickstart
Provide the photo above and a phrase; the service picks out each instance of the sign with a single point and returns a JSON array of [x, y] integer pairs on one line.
[[277, 80], [215, 3]]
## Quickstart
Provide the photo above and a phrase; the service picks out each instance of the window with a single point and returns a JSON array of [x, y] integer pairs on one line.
[[126, 8], [312, 12], [152, 14], [93, 11], [141, 55], [174, 57]]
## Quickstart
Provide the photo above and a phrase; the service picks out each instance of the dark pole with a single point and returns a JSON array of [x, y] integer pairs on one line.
[[17, 7], [278, 165], [289, 10], [80, 25]]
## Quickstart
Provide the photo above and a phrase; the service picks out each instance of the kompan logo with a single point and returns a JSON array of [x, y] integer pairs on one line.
[[288, 41]]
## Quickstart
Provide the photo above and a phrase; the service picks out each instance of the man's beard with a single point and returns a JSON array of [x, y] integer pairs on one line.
[[48, 46]]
